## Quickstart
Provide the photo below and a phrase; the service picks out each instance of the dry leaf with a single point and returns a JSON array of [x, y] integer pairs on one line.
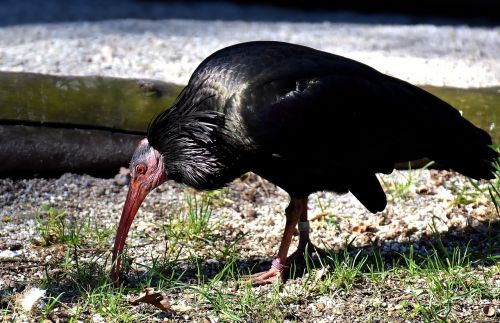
[[364, 228], [489, 310], [359, 228], [149, 296], [54, 318], [319, 216], [320, 273], [406, 297], [419, 291], [181, 308], [320, 306]]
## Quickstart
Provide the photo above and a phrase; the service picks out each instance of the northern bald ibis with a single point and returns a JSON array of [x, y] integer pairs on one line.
[[304, 119]]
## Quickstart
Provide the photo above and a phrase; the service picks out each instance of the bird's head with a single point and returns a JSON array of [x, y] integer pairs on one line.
[[147, 172]]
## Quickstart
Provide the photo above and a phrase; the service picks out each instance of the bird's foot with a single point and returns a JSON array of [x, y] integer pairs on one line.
[[275, 273], [271, 276], [306, 250]]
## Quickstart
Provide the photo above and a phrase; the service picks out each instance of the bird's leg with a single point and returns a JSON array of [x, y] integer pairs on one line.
[[303, 231], [296, 210], [305, 244]]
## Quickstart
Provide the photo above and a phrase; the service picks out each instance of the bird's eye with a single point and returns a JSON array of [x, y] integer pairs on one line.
[[140, 169]]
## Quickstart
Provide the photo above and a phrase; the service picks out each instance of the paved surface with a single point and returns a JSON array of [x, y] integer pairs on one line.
[[166, 48]]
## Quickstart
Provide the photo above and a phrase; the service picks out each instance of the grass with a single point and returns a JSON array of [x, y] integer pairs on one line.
[[401, 187], [446, 277], [474, 191], [56, 227], [192, 221], [200, 270], [324, 208], [435, 284]]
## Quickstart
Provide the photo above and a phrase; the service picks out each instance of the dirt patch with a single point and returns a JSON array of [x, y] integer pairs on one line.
[[57, 234]]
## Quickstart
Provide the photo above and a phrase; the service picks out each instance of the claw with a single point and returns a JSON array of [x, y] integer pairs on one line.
[[271, 276], [275, 273]]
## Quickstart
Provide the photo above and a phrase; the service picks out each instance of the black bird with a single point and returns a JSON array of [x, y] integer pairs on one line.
[[304, 119]]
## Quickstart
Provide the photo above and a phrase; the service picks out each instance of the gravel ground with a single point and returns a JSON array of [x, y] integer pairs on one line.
[[252, 205], [250, 216], [169, 50]]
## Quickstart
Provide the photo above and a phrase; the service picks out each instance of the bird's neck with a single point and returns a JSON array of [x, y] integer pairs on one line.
[[196, 148], [197, 167]]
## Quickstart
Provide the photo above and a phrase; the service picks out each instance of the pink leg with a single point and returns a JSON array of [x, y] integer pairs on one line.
[[297, 209]]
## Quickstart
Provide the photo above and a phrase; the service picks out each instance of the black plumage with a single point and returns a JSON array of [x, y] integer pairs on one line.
[[304, 119], [308, 120]]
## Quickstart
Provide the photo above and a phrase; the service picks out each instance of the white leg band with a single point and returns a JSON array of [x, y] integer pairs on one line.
[[304, 226]]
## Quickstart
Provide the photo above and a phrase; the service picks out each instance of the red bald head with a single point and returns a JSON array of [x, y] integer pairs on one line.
[[147, 172]]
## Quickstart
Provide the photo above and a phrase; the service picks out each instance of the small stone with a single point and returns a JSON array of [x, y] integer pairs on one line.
[[10, 253], [377, 302], [122, 180], [54, 318], [250, 214], [320, 306], [97, 318], [212, 261], [31, 297], [481, 211], [107, 53], [15, 246], [270, 222], [489, 310], [124, 171], [422, 190]]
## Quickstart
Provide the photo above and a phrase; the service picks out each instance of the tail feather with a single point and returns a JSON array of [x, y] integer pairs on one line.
[[475, 160], [368, 191], [454, 142]]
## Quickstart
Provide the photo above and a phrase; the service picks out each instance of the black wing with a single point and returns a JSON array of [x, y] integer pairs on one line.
[[338, 115]]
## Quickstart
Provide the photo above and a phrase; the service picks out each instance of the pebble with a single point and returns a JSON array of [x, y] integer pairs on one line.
[[31, 297], [320, 306], [97, 318], [6, 254], [392, 49], [250, 214]]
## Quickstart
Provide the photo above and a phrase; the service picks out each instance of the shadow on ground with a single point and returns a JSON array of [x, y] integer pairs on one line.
[[479, 13], [480, 244]]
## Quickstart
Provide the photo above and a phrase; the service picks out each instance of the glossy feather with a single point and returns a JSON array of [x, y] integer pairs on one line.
[[308, 120]]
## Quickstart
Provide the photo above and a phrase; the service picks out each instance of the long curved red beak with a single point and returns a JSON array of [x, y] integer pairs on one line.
[[136, 194]]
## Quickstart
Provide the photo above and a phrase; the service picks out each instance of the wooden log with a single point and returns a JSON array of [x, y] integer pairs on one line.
[[55, 124], [47, 151], [95, 101]]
